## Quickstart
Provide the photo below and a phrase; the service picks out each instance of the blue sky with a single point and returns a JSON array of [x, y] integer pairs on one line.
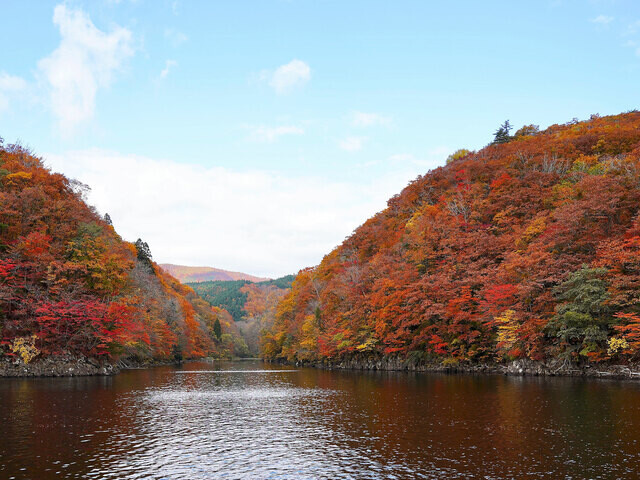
[[257, 135]]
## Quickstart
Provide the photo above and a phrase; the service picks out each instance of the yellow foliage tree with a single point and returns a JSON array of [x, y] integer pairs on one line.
[[507, 327], [616, 345], [309, 336], [534, 229], [25, 347]]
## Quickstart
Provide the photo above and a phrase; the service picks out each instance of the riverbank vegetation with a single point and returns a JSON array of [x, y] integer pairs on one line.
[[528, 249]]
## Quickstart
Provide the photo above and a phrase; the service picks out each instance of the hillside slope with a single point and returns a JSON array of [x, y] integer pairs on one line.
[[71, 287], [206, 274], [525, 249]]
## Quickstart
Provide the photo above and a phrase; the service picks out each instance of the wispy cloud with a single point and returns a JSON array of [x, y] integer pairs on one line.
[[632, 28], [363, 119], [175, 37], [602, 20], [169, 64], [631, 35], [84, 62], [288, 77], [634, 45], [271, 134], [352, 144], [9, 86]]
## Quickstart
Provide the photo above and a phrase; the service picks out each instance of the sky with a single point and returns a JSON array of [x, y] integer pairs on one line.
[[255, 136]]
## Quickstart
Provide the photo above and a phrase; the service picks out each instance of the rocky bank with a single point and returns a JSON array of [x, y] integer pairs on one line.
[[516, 367], [68, 366], [59, 366]]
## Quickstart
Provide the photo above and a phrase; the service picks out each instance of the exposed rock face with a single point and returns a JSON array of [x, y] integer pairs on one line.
[[55, 367], [516, 367]]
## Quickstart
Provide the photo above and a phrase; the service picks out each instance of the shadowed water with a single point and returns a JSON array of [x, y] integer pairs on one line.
[[248, 420]]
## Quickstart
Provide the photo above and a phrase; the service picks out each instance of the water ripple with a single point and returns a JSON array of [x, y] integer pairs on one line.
[[249, 423]]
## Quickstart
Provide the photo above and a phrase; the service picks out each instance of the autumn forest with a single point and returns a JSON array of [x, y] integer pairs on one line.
[[526, 249]]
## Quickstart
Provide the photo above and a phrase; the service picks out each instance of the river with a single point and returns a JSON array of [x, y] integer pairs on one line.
[[249, 420]]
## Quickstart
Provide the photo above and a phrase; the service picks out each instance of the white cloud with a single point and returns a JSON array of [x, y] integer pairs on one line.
[[9, 85], [175, 37], [288, 77], [253, 221], [271, 134], [11, 82], [84, 62], [169, 64], [352, 144], [362, 119], [602, 20]]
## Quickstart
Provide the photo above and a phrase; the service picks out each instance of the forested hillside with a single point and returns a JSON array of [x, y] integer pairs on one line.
[[232, 295], [528, 248], [70, 286], [252, 305]]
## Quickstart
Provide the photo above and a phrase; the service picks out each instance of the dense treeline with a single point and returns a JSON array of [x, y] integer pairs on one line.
[[251, 304], [528, 248], [69, 285]]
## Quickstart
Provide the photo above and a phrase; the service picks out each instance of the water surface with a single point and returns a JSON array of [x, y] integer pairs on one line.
[[248, 420]]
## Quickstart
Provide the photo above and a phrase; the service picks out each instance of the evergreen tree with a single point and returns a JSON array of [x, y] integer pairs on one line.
[[176, 353], [217, 329], [144, 252], [502, 134], [582, 321]]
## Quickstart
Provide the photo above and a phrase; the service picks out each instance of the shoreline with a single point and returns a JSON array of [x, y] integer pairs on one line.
[[81, 366], [67, 366], [73, 367], [64, 366], [522, 367]]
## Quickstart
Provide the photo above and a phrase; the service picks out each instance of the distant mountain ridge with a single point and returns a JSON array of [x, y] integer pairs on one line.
[[188, 274]]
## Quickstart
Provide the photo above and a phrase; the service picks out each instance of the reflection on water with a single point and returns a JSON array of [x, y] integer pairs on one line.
[[237, 371], [245, 420]]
